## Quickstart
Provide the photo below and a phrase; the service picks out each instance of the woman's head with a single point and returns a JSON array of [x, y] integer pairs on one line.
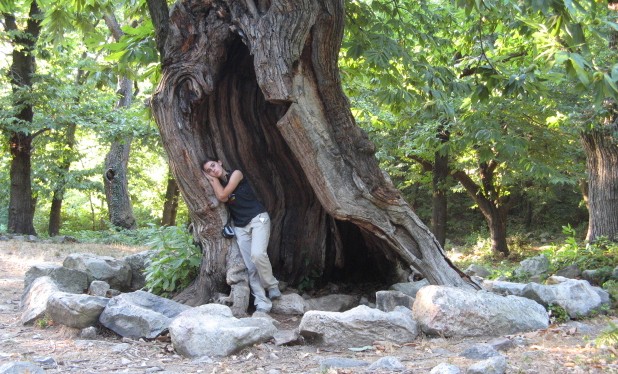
[[214, 168]]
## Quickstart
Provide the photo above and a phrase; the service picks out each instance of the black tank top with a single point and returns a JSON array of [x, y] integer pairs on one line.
[[242, 203]]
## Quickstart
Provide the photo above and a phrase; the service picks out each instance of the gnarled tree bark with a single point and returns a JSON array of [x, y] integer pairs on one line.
[[257, 85]]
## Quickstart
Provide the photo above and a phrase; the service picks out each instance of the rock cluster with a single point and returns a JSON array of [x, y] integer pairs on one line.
[[93, 290]]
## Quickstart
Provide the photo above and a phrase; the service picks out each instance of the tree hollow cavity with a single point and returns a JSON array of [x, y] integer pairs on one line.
[[307, 244]]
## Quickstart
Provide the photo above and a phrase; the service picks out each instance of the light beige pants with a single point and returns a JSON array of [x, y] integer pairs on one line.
[[253, 242]]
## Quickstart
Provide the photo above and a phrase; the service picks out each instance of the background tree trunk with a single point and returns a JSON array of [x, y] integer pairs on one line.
[[55, 212], [439, 203], [170, 205], [116, 176], [58, 196], [21, 202], [440, 172], [257, 86], [116, 185], [601, 148], [493, 207]]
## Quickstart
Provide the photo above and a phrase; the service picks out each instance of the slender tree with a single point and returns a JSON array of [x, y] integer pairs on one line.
[[170, 204], [115, 176], [440, 186], [22, 202], [67, 158]]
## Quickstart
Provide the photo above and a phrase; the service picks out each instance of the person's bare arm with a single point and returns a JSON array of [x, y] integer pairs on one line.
[[222, 193]]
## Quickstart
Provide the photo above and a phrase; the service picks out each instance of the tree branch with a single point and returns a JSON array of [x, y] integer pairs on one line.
[[37, 133], [160, 15], [427, 166]]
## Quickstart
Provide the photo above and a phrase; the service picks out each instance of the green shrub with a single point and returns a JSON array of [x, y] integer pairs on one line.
[[557, 314], [43, 322], [611, 286], [589, 256], [176, 261]]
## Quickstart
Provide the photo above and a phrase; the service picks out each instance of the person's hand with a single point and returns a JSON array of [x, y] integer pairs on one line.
[[209, 177]]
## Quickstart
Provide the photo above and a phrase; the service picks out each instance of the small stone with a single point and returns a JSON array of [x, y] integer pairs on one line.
[[480, 351], [445, 368], [46, 362], [88, 333]]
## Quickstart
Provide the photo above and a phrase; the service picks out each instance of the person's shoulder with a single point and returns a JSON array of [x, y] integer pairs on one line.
[[237, 174]]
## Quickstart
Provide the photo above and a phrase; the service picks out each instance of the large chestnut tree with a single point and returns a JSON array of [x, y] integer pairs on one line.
[[256, 84]]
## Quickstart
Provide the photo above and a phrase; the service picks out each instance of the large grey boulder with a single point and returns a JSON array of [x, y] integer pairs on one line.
[[571, 271], [577, 297], [34, 299], [75, 310], [451, 311], [387, 301], [138, 263], [410, 288], [332, 303], [69, 280], [117, 273], [596, 276], [212, 330], [21, 367], [98, 288], [477, 270], [290, 304], [358, 327], [504, 288], [533, 266], [140, 314]]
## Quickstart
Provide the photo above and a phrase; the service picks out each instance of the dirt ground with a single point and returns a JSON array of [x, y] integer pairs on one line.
[[565, 348]]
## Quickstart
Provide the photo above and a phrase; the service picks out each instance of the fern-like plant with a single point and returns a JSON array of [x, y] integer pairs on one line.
[[602, 253], [175, 263], [609, 336]]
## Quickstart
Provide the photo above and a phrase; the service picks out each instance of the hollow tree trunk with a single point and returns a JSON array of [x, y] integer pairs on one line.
[[257, 85], [115, 178], [21, 202]]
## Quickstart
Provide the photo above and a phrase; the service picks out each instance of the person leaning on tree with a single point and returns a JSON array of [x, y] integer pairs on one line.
[[252, 228]]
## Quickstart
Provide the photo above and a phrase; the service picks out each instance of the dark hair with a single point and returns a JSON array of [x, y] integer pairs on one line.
[[207, 159]]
